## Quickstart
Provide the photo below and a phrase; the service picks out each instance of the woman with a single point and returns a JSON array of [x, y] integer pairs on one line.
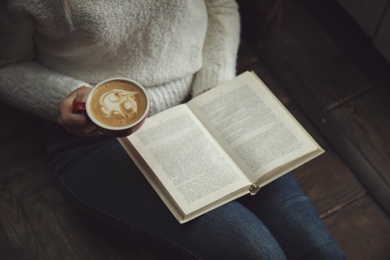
[[52, 52]]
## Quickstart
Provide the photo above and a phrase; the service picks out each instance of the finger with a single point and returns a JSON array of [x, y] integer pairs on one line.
[[67, 117], [65, 108]]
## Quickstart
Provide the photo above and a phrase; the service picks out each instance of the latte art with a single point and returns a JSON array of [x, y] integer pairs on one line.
[[120, 103], [117, 103]]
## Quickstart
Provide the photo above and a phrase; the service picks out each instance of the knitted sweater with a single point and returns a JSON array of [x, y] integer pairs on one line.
[[172, 47]]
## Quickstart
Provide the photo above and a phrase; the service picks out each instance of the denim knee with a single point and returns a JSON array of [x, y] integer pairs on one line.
[[233, 232]]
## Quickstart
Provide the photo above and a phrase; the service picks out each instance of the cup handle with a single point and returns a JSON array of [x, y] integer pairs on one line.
[[78, 107]]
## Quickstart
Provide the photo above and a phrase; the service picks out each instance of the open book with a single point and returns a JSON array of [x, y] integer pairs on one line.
[[221, 145]]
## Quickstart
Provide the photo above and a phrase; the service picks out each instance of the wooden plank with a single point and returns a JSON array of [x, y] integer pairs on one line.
[[45, 225], [297, 49], [6, 249], [85, 242], [360, 129], [348, 36], [246, 57], [31, 179], [329, 184], [366, 122], [362, 230], [17, 228]]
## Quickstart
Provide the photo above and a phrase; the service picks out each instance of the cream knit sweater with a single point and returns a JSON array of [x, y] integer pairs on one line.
[[172, 47]]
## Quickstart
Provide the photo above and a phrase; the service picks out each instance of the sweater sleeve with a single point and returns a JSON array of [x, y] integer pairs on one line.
[[24, 82], [220, 46]]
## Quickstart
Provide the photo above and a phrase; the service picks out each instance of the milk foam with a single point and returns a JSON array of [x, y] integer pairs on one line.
[[119, 102]]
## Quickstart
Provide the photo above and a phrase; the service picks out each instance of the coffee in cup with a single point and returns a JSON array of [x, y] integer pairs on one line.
[[117, 106]]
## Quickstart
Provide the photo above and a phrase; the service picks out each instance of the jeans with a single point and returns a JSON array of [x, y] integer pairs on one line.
[[103, 184]]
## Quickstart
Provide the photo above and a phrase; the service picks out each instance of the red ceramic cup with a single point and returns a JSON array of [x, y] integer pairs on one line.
[[117, 106]]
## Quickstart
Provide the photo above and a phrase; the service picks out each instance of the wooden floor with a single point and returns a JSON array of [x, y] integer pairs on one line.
[[341, 98]]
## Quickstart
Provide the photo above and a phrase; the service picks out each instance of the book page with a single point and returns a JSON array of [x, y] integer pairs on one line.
[[252, 125], [188, 162]]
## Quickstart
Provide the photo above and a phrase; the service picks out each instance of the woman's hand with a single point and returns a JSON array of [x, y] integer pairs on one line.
[[76, 123]]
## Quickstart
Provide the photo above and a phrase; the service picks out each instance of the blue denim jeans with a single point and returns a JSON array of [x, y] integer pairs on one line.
[[103, 184]]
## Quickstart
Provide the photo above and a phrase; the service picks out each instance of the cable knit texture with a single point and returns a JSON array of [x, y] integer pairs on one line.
[[172, 47]]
